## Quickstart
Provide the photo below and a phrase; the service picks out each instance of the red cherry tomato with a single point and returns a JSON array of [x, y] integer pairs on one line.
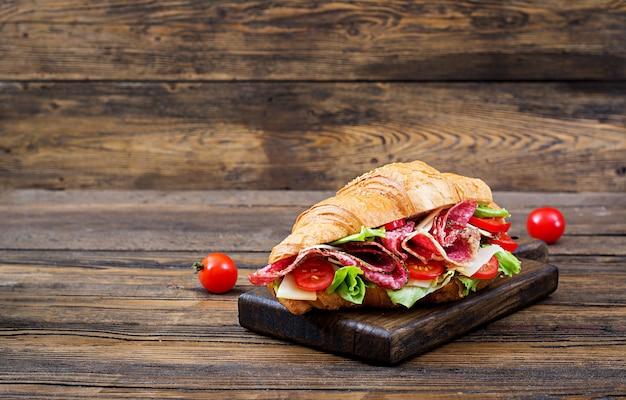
[[315, 274], [505, 241], [423, 272], [546, 223], [488, 270], [217, 273]]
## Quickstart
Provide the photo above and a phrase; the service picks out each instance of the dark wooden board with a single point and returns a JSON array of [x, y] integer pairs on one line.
[[392, 336]]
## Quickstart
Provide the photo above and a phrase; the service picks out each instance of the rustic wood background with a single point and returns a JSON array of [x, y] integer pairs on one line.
[[181, 95], [98, 300]]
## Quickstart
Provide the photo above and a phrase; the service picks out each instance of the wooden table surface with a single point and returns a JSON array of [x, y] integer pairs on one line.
[[98, 299]]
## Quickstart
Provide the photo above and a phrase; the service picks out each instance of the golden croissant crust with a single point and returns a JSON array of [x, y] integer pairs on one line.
[[385, 194]]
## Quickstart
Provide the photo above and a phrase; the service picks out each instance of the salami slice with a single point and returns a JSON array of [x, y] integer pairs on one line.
[[424, 246], [379, 265], [393, 239], [273, 271], [449, 239], [450, 222]]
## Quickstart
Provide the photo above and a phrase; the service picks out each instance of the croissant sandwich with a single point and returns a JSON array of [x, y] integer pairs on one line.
[[398, 235]]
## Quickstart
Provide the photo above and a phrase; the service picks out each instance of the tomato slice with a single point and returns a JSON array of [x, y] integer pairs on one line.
[[493, 225], [315, 274], [488, 270], [506, 242], [395, 224], [421, 271]]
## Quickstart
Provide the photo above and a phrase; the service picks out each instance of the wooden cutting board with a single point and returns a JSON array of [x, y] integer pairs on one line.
[[392, 336]]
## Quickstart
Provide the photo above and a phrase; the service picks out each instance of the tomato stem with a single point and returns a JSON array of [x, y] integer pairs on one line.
[[197, 266]]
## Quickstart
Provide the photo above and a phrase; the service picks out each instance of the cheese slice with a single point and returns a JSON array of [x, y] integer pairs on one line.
[[427, 222], [289, 290], [421, 283], [482, 256]]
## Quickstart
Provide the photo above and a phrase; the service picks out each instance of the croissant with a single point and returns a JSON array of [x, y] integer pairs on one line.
[[420, 218]]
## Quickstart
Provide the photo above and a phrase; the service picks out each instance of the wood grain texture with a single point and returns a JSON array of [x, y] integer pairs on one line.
[[309, 136], [200, 221], [314, 40], [183, 95], [122, 321]]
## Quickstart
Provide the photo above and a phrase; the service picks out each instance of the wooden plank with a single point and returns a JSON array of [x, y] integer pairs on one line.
[[363, 40], [132, 227], [599, 203], [200, 229], [310, 370], [309, 136], [205, 221], [218, 198]]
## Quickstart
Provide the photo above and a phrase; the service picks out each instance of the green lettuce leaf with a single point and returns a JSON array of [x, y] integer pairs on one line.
[[409, 295], [348, 284], [488, 212], [509, 264], [364, 235], [469, 283], [276, 284]]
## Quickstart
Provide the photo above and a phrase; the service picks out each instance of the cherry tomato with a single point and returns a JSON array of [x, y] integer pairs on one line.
[[505, 241], [217, 272], [546, 223], [423, 272], [488, 270], [395, 224], [493, 225], [315, 274]]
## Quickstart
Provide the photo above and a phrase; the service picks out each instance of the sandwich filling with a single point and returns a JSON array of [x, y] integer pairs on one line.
[[410, 257]]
